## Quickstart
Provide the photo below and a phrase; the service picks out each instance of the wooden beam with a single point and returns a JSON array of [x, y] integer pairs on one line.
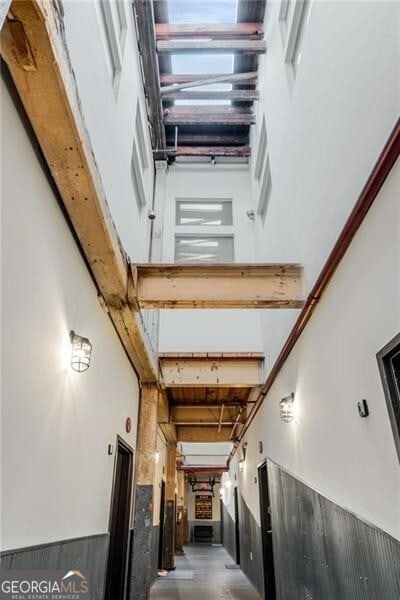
[[173, 78], [212, 46], [163, 409], [183, 115], [228, 151], [143, 10], [169, 432], [181, 415], [39, 63], [217, 286], [238, 95], [203, 434], [217, 139], [199, 80], [207, 372], [215, 31]]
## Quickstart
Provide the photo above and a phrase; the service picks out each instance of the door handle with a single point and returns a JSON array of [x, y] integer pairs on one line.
[[269, 530]]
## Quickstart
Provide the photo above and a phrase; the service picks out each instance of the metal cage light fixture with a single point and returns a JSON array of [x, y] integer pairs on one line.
[[287, 409], [81, 352]]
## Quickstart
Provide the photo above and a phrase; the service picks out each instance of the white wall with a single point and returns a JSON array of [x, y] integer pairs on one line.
[[109, 110], [350, 460], [210, 330], [325, 131], [57, 424]]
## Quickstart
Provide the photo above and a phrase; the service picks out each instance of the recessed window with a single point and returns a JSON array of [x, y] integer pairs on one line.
[[389, 366], [141, 138], [261, 151], [204, 212], [203, 249], [265, 191], [112, 37], [293, 17], [136, 175]]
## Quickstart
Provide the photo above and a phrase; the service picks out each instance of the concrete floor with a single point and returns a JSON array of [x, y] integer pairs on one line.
[[211, 580]]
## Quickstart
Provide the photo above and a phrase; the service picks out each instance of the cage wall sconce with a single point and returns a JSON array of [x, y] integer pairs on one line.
[[287, 409], [81, 352]]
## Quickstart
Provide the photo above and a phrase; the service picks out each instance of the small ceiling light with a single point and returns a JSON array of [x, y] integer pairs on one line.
[[81, 352], [287, 408]]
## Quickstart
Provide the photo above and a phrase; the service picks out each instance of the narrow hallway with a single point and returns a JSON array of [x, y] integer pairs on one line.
[[207, 577]]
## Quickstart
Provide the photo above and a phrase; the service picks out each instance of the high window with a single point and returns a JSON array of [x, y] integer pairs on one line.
[[115, 27], [203, 249], [293, 18], [204, 212], [141, 138], [136, 175], [265, 191]]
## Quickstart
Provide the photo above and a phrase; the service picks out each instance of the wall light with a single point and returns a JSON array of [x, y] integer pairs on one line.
[[241, 465], [287, 408], [157, 457], [228, 484], [81, 352]]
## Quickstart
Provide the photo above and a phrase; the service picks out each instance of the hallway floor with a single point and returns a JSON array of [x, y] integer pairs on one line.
[[211, 579]]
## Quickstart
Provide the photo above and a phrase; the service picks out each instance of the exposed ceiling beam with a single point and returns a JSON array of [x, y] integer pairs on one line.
[[217, 286], [207, 372], [199, 80], [217, 139], [228, 151], [238, 95], [212, 46], [143, 11], [203, 434], [39, 64], [176, 116], [216, 31], [173, 78], [181, 415]]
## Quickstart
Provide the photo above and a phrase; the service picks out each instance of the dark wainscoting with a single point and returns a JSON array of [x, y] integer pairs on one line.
[[86, 553], [228, 532], [251, 561], [155, 536], [324, 552]]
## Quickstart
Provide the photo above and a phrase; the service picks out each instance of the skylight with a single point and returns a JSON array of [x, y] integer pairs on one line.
[[203, 11]]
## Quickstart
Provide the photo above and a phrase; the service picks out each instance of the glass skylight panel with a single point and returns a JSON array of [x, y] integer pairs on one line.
[[202, 11]]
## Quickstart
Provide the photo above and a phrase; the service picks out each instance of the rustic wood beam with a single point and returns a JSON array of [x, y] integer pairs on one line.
[[207, 372], [177, 116], [228, 151], [173, 78], [217, 139], [212, 46], [169, 432], [217, 286], [38, 60], [203, 434], [143, 10], [238, 95], [199, 80], [215, 31], [181, 415]]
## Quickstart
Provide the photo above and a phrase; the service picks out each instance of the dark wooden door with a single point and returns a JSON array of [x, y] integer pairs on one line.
[[237, 525], [119, 522], [161, 528], [266, 534]]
